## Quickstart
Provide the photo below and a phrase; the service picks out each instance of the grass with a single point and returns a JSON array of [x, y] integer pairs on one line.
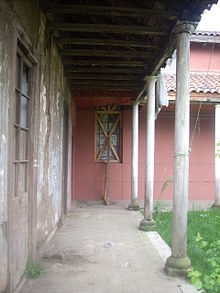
[[203, 229], [33, 269], [206, 223]]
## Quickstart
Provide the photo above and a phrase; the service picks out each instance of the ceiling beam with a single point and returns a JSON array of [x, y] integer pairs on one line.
[[116, 70], [104, 88], [120, 84], [105, 28], [103, 63], [111, 11], [105, 53], [108, 42], [104, 77]]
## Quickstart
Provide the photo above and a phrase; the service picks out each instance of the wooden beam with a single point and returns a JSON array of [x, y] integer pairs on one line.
[[110, 88], [105, 53], [120, 83], [108, 42], [106, 70], [105, 28], [169, 48], [98, 76], [111, 11], [97, 63]]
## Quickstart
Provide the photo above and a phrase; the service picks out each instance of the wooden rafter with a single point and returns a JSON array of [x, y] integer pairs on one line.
[[111, 11], [112, 63], [109, 88], [108, 42], [106, 53], [98, 76], [120, 83], [107, 28], [106, 70]]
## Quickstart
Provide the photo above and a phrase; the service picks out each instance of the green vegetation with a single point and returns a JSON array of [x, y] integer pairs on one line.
[[218, 149], [33, 269], [203, 245]]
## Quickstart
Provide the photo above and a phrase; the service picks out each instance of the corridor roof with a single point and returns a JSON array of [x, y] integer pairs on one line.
[[109, 46]]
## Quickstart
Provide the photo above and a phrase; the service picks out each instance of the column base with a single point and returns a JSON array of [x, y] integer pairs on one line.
[[177, 266], [133, 207], [146, 225], [216, 204]]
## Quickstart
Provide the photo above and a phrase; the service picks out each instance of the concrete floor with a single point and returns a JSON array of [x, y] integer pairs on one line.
[[100, 249]]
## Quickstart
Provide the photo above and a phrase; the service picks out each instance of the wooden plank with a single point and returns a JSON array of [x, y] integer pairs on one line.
[[97, 76], [108, 42], [106, 70], [120, 83], [120, 63], [105, 53], [111, 11], [100, 88], [105, 28]]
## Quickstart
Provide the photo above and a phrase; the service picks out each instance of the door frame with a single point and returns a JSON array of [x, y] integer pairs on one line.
[[19, 39]]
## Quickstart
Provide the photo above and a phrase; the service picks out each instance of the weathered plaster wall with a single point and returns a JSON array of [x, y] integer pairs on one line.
[[28, 15], [89, 176], [4, 106], [50, 91], [53, 91]]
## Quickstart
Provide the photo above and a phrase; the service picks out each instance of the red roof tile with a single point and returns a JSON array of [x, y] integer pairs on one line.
[[204, 83], [206, 33]]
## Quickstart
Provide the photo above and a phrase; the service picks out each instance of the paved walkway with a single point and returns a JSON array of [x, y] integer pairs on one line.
[[100, 249]]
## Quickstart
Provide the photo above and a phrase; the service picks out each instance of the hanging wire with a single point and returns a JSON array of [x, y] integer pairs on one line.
[[200, 104]]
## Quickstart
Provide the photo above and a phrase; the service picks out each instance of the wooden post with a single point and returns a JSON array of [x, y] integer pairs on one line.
[[134, 159], [217, 159], [179, 263], [148, 222]]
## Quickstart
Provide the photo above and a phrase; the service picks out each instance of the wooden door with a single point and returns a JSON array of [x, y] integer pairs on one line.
[[20, 176]]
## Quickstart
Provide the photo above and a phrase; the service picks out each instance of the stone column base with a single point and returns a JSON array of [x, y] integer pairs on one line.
[[134, 206], [216, 204], [177, 266], [146, 225]]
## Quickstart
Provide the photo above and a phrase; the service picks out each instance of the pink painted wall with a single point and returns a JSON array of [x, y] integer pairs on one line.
[[202, 54], [89, 176]]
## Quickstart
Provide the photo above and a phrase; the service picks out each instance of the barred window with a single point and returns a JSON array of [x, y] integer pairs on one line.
[[108, 134]]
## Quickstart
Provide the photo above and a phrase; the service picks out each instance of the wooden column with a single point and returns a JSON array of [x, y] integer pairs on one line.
[[134, 158], [217, 158], [178, 263], [148, 222]]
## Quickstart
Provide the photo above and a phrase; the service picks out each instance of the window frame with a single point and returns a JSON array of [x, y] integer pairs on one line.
[[109, 111], [21, 185]]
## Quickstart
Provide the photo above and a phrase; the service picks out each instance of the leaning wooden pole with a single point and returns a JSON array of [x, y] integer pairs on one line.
[[106, 194]]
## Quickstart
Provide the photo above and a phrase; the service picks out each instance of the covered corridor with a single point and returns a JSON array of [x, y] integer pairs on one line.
[[58, 57], [100, 250]]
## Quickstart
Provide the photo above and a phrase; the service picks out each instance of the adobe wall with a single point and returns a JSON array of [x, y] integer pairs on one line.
[[89, 176]]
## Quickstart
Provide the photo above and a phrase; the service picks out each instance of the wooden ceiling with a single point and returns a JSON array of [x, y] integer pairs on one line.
[[109, 46]]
